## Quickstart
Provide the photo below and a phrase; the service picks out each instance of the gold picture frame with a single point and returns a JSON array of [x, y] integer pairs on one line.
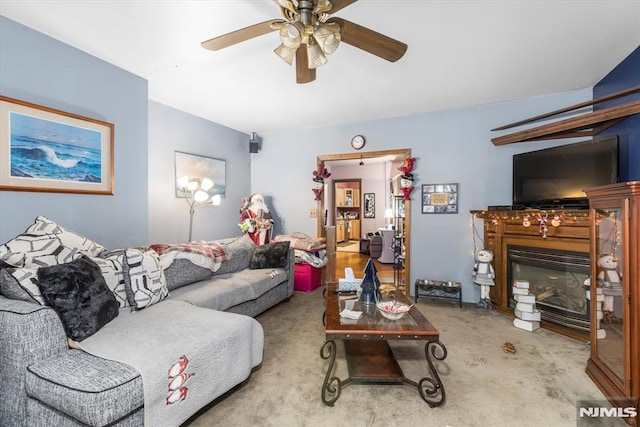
[[48, 150]]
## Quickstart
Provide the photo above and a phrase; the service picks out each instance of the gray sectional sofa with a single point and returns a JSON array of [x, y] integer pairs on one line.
[[46, 382]]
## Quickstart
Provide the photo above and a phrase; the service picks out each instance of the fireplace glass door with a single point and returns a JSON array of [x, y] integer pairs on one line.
[[556, 278]]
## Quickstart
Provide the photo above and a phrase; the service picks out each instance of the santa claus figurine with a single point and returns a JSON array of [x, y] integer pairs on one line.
[[255, 219]]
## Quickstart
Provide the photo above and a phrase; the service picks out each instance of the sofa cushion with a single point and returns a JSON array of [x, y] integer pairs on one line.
[[217, 293], [79, 294], [270, 255], [239, 251], [183, 272], [145, 283], [90, 389], [68, 238]]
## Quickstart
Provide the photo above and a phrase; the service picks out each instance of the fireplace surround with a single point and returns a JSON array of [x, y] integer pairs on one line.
[[567, 236]]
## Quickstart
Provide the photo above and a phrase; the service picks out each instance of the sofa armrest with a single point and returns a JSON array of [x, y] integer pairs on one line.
[[291, 271], [29, 333]]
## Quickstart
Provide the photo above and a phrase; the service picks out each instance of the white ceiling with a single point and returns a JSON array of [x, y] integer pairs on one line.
[[460, 53]]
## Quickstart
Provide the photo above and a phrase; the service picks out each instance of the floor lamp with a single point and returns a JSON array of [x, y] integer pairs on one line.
[[197, 194]]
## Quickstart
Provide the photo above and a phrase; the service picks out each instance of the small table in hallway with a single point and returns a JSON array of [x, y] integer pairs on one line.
[[370, 359]]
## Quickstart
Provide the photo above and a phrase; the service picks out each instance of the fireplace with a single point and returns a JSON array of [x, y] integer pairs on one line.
[[556, 278]]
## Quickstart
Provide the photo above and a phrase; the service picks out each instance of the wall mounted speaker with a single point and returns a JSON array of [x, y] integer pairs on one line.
[[254, 143]]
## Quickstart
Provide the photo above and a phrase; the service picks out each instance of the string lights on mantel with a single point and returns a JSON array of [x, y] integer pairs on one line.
[[543, 219]]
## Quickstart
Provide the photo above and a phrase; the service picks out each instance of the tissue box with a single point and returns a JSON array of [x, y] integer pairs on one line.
[[307, 277], [346, 285]]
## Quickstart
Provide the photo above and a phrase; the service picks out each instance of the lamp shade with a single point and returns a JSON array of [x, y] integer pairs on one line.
[[183, 181], [206, 184], [200, 196]]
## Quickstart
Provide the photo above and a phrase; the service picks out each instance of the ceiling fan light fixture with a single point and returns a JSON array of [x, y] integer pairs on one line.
[[323, 6], [328, 37], [287, 54], [291, 34], [315, 56]]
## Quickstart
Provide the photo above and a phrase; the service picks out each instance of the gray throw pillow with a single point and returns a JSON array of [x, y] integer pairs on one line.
[[79, 294], [271, 255]]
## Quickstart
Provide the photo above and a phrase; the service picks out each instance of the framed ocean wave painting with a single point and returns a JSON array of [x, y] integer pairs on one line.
[[47, 150]]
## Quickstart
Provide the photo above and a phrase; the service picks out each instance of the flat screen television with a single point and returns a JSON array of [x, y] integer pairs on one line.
[[555, 177]]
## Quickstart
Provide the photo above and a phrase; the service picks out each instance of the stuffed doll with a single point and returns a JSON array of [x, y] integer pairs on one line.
[[406, 185], [483, 275], [319, 175], [255, 219], [610, 280]]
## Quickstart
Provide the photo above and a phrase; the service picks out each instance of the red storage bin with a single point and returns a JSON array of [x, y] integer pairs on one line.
[[307, 277]]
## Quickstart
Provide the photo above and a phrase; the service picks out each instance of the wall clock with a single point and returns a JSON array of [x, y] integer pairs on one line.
[[357, 142]]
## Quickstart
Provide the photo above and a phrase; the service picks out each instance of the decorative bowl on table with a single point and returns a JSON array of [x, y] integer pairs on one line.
[[393, 310]]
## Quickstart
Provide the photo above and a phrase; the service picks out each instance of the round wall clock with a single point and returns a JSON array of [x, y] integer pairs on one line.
[[357, 142]]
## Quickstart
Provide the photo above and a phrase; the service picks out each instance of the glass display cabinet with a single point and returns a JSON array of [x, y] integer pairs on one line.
[[614, 292]]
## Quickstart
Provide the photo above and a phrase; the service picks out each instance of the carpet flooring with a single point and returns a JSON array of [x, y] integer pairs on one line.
[[538, 386]]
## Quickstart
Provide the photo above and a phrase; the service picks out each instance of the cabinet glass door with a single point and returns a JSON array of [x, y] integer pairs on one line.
[[610, 289]]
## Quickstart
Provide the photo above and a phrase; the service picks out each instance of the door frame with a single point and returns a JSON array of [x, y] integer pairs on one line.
[[405, 153]]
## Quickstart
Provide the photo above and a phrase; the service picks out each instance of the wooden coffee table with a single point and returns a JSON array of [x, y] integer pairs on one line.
[[370, 359]]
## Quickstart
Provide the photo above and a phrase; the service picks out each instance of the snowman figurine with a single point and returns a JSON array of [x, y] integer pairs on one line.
[[610, 280], [483, 275]]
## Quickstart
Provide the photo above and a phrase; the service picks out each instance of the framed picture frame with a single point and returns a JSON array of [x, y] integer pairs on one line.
[[440, 198], [48, 150], [369, 205], [197, 167]]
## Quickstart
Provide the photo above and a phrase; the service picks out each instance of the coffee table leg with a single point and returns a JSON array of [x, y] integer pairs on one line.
[[332, 385], [431, 389]]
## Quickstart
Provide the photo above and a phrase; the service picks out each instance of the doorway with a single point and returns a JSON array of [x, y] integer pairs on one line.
[[347, 213], [402, 239]]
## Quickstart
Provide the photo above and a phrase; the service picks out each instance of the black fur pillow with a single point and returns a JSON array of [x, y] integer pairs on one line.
[[271, 255], [79, 294]]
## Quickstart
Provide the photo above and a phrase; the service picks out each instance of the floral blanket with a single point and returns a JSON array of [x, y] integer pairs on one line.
[[201, 253]]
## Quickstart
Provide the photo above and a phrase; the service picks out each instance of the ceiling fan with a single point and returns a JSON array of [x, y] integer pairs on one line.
[[309, 33]]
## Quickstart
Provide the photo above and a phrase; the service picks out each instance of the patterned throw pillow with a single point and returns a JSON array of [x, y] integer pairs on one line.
[[10, 288], [45, 243], [145, 283], [66, 237], [112, 268], [79, 294], [27, 279]]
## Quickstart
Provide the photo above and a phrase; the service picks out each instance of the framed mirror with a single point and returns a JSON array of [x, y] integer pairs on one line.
[[369, 205]]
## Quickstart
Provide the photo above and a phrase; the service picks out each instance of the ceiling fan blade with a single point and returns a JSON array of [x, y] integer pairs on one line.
[[242, 34], [336, 5], [304, 74], [369, 40]]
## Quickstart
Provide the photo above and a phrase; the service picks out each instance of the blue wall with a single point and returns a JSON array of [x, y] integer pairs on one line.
[[625, 76], [38, 69], [172, 130]]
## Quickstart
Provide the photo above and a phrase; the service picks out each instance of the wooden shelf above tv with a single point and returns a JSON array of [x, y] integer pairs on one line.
[[588, 124]]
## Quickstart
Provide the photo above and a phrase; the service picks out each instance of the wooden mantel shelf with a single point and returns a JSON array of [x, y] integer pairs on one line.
[[589, 124]]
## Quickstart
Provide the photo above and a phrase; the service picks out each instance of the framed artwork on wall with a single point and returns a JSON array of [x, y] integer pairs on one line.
[[369, 205], [439, 198], [197, 168], [47, 150]]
